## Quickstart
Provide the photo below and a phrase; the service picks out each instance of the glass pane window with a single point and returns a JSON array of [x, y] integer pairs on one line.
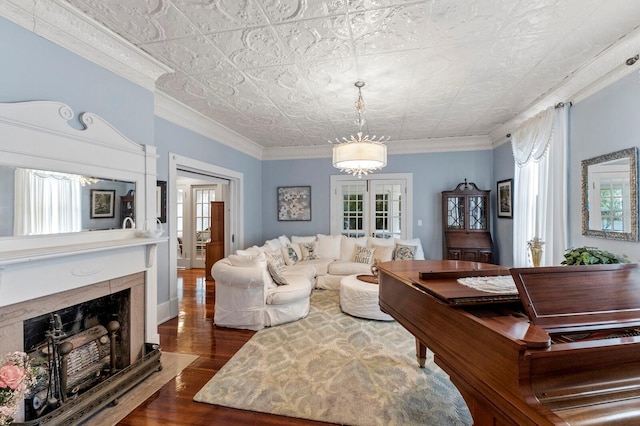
[[353, 209]]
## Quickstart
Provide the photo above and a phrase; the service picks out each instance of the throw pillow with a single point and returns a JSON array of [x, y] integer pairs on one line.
[[419, 255], [403, 252], [292, 254], [348, 247], [276, 274], [382, 253], [309, 251], [275, 258], [363, 255], [284, 240], [329, 246]]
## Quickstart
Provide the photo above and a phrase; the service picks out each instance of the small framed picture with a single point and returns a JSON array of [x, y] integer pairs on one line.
[[103, 203], [505, 198], [161, 201], [294, 203]]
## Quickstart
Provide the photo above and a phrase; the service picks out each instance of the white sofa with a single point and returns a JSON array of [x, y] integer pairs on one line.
[[248, 297]]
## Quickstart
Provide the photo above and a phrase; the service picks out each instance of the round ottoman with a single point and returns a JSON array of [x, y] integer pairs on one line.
[[360, 299]]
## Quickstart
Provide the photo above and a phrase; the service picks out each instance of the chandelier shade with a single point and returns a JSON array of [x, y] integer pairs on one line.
[[359, 157], [362, 154]]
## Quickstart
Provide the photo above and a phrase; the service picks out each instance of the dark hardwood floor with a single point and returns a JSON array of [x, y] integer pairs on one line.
[[193, 332]]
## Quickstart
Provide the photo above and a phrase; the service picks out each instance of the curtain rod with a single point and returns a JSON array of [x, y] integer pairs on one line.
[[558, 105]]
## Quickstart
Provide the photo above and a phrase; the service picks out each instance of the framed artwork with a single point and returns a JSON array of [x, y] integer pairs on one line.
[[505, 198], [161, 201], [294, 203], [103, 203]]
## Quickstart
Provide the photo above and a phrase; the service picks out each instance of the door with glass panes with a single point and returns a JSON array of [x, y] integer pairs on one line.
[[194, 234], [370, 207]]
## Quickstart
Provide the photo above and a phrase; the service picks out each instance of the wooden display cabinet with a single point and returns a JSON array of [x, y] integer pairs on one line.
[[466, 219]]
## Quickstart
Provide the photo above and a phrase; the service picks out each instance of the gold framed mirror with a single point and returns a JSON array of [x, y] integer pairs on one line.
[[610, 195]]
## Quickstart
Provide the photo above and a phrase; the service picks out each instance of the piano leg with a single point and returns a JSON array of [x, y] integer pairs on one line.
[[421, 353]]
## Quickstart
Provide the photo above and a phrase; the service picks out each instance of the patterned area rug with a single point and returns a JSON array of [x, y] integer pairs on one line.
[[336, 368]]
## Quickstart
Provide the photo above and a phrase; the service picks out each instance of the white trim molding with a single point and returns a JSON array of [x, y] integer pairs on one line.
[[180, 114], [608, 67], [66, 26]]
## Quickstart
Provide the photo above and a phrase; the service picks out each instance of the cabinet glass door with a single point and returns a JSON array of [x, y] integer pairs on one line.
[[455, 212], [477, 213]]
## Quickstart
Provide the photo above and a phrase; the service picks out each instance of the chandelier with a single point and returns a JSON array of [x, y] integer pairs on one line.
[[360, 155]]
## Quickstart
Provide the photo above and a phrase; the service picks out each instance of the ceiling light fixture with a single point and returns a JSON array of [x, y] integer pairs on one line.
[[362, 154]]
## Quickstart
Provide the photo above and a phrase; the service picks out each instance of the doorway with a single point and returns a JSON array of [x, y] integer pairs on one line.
[[229, 187]]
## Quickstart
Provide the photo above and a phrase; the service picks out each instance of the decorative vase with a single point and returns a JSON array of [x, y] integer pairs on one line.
[[374, 267], [535, 246]]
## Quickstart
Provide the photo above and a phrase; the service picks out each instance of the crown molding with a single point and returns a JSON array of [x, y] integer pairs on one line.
[[606, 68], [418, 146], [180, 114], [66, 26]]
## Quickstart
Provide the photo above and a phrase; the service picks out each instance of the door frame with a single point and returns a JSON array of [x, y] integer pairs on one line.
[[234, 213]]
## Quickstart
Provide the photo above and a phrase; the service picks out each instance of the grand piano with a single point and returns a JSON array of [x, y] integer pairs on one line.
[[562, 348]]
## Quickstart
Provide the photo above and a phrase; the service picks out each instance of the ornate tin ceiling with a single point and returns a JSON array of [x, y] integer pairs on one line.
[[281, 72]]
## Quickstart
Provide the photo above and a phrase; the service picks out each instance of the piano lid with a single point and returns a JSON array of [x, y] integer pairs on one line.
[[580, 296]]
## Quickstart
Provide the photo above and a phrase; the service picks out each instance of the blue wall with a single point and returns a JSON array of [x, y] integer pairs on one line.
[[34, 69], [605, 122], [432, 174], [503, 168]]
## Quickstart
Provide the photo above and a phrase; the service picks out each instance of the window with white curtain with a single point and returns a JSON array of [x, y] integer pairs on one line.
[[540, 193], [46, 202]]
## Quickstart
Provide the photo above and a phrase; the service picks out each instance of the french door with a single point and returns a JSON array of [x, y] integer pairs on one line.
[[377, 207], [193, 224]]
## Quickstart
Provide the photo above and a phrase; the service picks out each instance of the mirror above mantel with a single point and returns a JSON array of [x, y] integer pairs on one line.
[[108, 170], [41, 202], [610, 195]]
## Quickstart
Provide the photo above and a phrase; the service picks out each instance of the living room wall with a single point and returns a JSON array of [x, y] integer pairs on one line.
[[34, 68], [605, 122], [432, 173]]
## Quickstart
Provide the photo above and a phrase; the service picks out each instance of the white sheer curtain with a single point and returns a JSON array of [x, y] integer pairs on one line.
[[46, 202], [540, 203]]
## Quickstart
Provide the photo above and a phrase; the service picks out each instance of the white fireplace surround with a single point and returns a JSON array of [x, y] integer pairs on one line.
[[38, 135]]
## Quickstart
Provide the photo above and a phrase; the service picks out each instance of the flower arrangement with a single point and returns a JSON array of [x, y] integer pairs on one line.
[[16, 377]]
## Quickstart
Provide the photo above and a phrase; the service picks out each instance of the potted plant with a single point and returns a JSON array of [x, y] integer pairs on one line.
[[591, 256]]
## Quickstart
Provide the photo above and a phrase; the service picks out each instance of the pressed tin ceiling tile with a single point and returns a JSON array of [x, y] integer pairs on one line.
[[282, 72]]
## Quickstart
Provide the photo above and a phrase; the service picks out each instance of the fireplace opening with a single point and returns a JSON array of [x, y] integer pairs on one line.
[[76, 348]]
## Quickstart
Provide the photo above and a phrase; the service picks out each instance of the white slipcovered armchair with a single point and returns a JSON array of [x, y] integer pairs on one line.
[[247, 297]]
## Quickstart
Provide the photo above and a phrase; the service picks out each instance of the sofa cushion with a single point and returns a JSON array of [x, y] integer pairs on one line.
[[345, 267], [329, 246], [419, 253], [273, 245], [348, 247], [248, 261], [301, 268], [382, 253], [319, 265], [284, 240], [299, 288], [403, 252], [363, 255], [298, 239], [388, 242]]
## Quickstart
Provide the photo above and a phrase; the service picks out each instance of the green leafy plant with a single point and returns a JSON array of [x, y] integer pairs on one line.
[[590, 256]]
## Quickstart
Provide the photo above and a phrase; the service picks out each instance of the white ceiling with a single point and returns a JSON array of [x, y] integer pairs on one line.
[[281, 72]]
